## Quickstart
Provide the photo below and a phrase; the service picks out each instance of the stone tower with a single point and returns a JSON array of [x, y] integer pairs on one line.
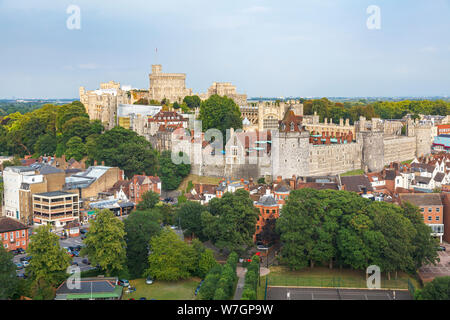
[[423, 137], [372, 139], [290, 153]]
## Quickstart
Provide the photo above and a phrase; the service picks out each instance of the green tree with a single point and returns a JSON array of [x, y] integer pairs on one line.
[[189, 217], [8, 280], [75, 148], [231, 222], [105, 244], [46, 144], [171, 174], [438, 289], [171, 258], [149, 200], [220, 113], [123, 148], [50, 261], [140, 226], [206, 263], [424, 244], [192, 102]]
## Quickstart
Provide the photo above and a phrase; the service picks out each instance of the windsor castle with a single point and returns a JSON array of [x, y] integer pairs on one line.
[[277, 138]]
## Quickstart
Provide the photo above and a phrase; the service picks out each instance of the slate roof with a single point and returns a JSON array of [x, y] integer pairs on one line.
[[45, 168], [424, 180], [356, 183], [422, 199], [267, 201], [8, 224], [439, 177]]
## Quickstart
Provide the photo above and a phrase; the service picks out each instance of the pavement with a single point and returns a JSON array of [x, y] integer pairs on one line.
[[283, 293], [240, 271], [429, 272]]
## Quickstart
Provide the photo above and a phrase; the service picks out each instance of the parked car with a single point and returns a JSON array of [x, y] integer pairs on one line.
[[21, 251], [441, 248], [25, 263], [83, 231], [22, 275], [19, 265], [123, 283], [149, 280], [142, 298], [27, 258], [86, 261]]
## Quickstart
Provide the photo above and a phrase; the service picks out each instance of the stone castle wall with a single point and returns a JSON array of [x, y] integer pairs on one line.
[[398, 149]]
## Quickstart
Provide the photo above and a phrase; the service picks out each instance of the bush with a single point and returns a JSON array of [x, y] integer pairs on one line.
[[220, 294], [438, 289], [248, 294]]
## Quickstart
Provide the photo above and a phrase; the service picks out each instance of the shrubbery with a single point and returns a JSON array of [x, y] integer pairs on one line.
[[251, 280]]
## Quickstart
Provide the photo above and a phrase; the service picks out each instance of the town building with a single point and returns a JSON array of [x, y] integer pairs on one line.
[[432, 209], [21, 182], [13, 234], [269, 209], [96, 179], [56, 208]]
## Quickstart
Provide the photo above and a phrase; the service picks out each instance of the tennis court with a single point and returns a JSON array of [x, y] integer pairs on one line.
[[286, 293]]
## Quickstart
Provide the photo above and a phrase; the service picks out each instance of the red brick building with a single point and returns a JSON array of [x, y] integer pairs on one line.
[[13, 234], [141, 184], [432, 209], [268, 210], [446, 216], [135, 188]]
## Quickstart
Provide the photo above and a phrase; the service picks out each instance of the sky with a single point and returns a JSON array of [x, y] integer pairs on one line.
[[314, 48]]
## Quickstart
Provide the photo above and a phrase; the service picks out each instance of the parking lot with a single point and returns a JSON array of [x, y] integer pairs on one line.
[[69, 242], [280, 293], [442, 269]]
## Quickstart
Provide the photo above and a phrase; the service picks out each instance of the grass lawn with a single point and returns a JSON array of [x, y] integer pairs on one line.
[[162, 290], [197, 179], [324, 277], [353, 173]]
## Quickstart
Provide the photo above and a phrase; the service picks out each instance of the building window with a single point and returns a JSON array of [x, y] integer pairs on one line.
[[429, 218], [422, 209], [437, 218], [430, 209], [438, 209]]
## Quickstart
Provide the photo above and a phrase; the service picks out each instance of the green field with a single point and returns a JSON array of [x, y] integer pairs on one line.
[[353, 173], [198, 179], [162, 290], [324, 277]]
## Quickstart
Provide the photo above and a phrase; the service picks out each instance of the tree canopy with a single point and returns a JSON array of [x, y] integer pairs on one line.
[[220, 113], [105, 243], [328, 226]]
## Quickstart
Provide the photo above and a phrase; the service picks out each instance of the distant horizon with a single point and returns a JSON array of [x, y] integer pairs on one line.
[[434, 97], [324, 48]]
